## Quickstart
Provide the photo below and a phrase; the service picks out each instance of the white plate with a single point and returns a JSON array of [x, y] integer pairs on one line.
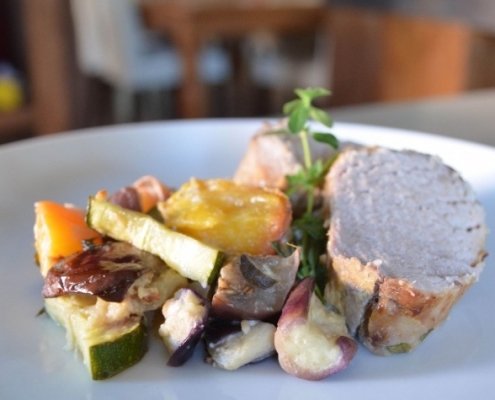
[[457, 361]]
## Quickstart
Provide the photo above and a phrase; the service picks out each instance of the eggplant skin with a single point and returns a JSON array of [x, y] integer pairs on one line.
[[186, 317], [312, 340], [254, 287], [106, 271], [217, 329], [186, 349]]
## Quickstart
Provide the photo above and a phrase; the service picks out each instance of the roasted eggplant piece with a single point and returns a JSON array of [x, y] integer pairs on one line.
[[312, 342], [254, 287], [185, 315], [231, 346], [105, 271]]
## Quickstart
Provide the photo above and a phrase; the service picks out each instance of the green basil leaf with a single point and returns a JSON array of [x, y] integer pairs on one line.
[[327, 138], [321, 116]]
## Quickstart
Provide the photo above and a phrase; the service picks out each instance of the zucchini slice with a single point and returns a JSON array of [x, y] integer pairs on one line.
[[188, 256], [106, 351]]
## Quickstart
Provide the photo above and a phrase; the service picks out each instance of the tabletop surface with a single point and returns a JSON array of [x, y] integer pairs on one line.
[[470, 116]]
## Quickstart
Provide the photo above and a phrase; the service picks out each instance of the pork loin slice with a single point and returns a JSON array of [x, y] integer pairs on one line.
[[406, 240], [272, 156]]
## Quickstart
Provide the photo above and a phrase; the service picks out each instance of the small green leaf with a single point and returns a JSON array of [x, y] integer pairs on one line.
[[306, 179], [327, 138], [309, 231], [298, 182], [312, 235], [303, 97], [311, 93], [321, 116], [290, 106], [316, 173], [298, 118], [312, 225]]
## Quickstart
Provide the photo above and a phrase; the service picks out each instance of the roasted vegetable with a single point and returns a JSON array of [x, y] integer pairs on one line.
[[59, 231], [235, 346], [100, 296], [191, 258], [185, 315], [254, 287], [234, 218], [106, 349], [105, 271], [311, 341], [108, 271], [142, 195]]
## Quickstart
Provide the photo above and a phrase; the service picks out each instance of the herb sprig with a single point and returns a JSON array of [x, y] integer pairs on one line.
[[308, 230]]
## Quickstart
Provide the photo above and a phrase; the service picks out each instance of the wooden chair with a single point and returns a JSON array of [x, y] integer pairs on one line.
[[113, 44], [382, 56]]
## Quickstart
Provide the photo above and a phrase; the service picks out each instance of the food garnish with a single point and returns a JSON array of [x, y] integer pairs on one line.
[[308, 229]]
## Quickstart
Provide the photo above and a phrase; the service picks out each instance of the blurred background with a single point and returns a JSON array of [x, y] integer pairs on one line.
[[68, 64]]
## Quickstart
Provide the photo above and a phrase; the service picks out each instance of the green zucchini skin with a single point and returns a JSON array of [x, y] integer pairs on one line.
[[112, 357], [105, 351], [189, 257]]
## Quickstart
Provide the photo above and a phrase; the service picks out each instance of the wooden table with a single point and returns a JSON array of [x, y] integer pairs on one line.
[[189, 28]]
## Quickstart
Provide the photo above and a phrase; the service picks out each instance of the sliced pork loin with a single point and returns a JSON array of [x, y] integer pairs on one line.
[[272, 156], [406, 240]]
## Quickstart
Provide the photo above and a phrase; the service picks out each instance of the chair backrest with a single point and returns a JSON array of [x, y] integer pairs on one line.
[[115, 45], [90, 51], [109, 37]]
